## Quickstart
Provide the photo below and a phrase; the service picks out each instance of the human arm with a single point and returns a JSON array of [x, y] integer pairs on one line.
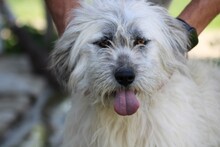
[[199, 13], [59, 10]]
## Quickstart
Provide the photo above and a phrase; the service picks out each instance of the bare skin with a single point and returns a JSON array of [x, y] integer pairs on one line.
[[198, 13], [59, 10]]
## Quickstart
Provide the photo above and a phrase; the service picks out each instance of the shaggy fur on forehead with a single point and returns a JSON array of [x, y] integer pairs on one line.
[[111, 17]]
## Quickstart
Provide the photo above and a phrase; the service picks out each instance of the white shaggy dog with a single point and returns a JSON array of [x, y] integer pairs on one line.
[[123, 61]]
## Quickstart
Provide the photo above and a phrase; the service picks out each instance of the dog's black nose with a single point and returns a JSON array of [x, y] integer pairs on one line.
[[125, 76]]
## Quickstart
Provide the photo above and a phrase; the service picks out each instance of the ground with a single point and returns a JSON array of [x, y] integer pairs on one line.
[[209, 45]]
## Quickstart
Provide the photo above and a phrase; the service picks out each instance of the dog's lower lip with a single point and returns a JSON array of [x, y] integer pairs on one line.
[[135, 92], [114, 92]]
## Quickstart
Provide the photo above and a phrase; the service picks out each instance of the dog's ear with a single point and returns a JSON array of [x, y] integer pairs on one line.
[[163, 3], [60, 61], [179, 39], [67, 60]]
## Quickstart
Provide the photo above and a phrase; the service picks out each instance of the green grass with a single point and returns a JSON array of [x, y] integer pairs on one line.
[[28, 11], [177, 6], [32, 11]]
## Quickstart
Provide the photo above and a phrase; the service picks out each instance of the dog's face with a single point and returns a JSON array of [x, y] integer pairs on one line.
[[119, 52]]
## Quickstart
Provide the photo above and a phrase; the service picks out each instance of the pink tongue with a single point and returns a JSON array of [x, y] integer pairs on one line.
[[125, 102]]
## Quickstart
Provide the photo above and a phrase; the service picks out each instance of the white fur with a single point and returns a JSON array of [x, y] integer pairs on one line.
[[180, 99]]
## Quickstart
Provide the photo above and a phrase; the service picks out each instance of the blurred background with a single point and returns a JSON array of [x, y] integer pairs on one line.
[[32, 104]]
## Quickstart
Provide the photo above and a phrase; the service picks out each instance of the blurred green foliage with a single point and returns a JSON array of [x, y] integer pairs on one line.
[[177, 6], [30, 15], [29, 12], [11, 43]]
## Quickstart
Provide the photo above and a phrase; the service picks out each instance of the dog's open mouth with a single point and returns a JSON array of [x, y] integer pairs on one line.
[[126, 102]]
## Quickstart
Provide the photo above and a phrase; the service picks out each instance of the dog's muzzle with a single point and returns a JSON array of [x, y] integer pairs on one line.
[[125, 76], [125, 102]]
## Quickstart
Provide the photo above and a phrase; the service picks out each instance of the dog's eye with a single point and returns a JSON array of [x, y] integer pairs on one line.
[[140, 41], [105, 43]]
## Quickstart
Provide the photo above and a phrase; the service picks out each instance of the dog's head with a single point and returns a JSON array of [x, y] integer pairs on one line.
[[119, 52]]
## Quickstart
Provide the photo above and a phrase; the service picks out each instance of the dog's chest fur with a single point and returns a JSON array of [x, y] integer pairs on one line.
[[176, 116]]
